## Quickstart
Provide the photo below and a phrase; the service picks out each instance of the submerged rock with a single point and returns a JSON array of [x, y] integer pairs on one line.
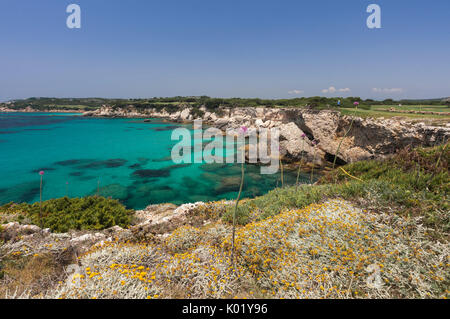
[[116, 191], [146, 173], [111, 163], [228, 184]]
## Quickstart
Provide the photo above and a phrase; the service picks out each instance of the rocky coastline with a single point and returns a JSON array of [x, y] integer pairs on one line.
[[153, 222], [369, 138], [31, 110]]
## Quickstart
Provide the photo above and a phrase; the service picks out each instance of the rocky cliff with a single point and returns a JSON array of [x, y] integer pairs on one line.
[[5, 109], [368, 139]]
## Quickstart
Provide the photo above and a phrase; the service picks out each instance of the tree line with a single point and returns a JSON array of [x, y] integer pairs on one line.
[[211, 103]]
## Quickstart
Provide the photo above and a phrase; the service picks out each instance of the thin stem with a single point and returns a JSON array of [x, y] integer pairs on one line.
[[437, 163], [40, 203], [313, 163], [282, 177], [235, 211], [418, 172], [346, 173], [440, 156], [300, 165], [345, 135]]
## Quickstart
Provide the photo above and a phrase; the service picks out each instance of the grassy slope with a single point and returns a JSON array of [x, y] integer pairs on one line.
[[414, 182], [297, 243], [302, 243]]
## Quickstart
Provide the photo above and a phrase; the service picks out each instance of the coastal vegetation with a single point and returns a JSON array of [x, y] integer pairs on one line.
[[64, 214], [366, 107], [412, 183], [413, 112], [372, 229], [44, 103]]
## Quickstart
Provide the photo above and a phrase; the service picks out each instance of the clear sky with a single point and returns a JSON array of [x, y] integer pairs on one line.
[[227, 48]]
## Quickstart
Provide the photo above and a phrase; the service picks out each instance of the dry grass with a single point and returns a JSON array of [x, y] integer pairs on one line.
[[142, 271], [29, 275]]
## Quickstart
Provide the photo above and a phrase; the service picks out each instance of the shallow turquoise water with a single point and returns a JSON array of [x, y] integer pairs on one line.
[[126, 159]]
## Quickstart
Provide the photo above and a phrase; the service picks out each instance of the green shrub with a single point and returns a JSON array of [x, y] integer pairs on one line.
[[87, 213], [197, 113]]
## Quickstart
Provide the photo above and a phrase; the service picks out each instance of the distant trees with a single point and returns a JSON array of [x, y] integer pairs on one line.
[[174, 103], [446, 102]]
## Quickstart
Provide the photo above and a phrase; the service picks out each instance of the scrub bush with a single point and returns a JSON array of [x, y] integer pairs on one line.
[[64, 214]]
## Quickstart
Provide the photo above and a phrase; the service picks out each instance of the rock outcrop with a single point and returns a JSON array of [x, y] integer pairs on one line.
[[368, 139], [5, 109], [163, 218], [153, 222], [31, 239]]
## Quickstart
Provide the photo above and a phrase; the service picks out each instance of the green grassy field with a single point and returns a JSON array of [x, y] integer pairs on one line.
[[72, 107], [383, 111], [427, 108]]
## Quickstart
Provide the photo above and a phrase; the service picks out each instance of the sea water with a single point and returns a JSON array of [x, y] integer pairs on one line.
[[125, 159]]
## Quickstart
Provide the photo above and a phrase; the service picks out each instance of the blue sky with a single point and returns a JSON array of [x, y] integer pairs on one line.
[[245, 48]]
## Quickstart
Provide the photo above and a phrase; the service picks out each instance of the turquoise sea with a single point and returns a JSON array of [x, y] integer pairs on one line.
[[126, 159]]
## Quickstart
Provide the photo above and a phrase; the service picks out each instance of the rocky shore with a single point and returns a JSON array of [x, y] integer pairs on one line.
[[152, 223], [368, 139], [31, 110]]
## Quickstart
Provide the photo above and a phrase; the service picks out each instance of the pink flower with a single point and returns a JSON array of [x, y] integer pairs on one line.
[[356, 103], [243, 130], [41, 173]]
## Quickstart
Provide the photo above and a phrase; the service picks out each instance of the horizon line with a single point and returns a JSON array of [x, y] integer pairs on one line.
[[220, 97]]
